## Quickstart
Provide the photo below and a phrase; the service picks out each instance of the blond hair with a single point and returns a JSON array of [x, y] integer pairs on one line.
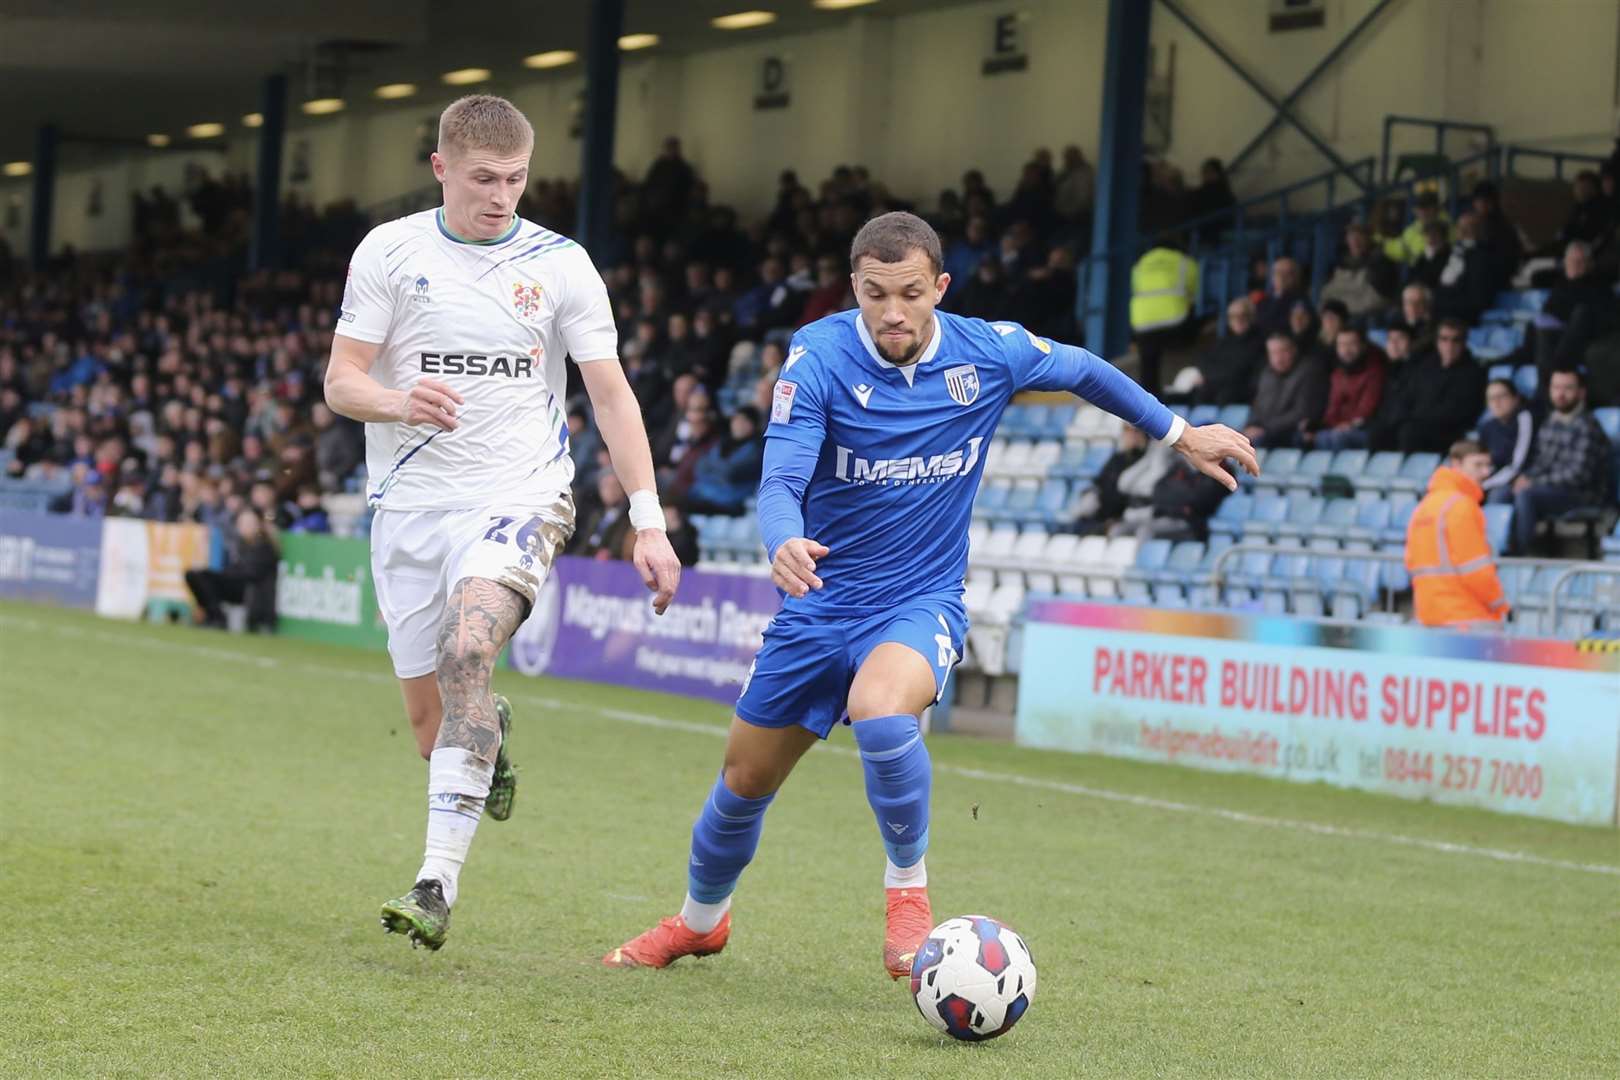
[[484, 122]]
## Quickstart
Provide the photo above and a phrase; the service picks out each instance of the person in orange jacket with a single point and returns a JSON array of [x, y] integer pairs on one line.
[[1454, 581]]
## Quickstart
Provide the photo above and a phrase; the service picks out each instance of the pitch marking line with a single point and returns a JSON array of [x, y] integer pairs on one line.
[[719, 731]]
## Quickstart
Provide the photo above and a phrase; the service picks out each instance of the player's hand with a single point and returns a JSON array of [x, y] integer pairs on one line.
[[1207, 446], [430, 402], [658, 566], [794, 568]]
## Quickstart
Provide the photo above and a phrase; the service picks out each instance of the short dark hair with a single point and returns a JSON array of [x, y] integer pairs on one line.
[[1506, 384], [1399, 326], [1352, 328], [1283, 335], [1465, 447], [891, 237], [1451, 322], [1337, 307], [1578, 372]]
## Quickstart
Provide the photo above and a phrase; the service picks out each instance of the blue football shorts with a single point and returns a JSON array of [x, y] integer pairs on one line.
[[803, 672]]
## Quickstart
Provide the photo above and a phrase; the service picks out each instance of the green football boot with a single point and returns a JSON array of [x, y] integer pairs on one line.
[[421, 915], [503, 784]]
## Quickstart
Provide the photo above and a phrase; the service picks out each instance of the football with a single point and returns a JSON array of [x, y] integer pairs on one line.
[[973, 978]]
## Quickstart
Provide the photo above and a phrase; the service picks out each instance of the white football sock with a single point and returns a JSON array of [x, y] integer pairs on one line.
[[914, 876], [458, 783], [701, 918]]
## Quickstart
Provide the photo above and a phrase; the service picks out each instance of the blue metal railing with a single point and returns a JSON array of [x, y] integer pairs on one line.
[[1513, 153], [1440, 126]]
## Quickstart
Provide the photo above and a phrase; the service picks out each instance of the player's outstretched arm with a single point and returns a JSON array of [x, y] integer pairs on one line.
[[352, 392], [1054, 366], [618, 418]]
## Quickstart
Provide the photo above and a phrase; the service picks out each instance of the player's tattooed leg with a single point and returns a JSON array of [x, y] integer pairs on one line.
[[480, 618]]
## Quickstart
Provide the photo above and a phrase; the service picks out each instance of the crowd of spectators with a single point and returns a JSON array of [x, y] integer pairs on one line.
[[163, 383], [1314, 379]]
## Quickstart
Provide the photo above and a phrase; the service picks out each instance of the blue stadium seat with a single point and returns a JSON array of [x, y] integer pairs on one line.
[[1071, 461], [1151, 557], [1400, 514], [1609, 420], [1273, 602], [1338, 515], [1349, 464], [1253, 570], [1235, 416], [1415, 472], [1014, 422], [1057, 420], [1308, 605], [1524, 377], [1361, 577], [1020, 505], [1535, 593], [1098, 451], [1611, 544], [1307, 476], [1498, 519], [1281, 464], [1393, 578], [992, 499], [1269, 510], [1304, 511], [1529, 301], [1203, 414], [1381, 468], [1053, 498], [1491, 341], [1372, 517], [1135, 592], [1228, 518], [1183, 563], [1500, 371], [1169, 596]]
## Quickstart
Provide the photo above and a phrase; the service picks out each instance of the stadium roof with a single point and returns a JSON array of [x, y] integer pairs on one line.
[[110, 70]]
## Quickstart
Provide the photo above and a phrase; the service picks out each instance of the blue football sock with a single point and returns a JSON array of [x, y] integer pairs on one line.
[[898, 778], [723, 841]]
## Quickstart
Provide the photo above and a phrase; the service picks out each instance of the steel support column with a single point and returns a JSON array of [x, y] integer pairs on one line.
[[1119, 174], [1283, 111], [44, 196], [596, 192], [265, 251], [1305, 83]]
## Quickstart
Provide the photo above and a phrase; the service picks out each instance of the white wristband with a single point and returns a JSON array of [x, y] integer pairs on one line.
[[645, 513], [1177, 426]]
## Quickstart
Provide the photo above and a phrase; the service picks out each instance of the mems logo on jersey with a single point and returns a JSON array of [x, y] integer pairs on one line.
[[918, 469]]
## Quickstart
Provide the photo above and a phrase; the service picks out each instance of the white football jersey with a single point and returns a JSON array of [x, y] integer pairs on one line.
[[495, 321]]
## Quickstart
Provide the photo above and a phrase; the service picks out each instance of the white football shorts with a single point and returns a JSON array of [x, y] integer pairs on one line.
[[418, 557]]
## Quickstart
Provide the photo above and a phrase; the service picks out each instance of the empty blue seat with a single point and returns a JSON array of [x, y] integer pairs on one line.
[[992, 499], [1020, 503], [1415, 472], [1182, 564], [1304, 511], [1235, 416], [1098, 452], [1500, 371], [1349, 463], [1307, 475], [1150, 557], [1400, 515], [1253, 570], [1269, 509], [1071, 462], [1281, 464], [1228, 518], [1338, 515], [1057, 420], [1308, 605], [1169, 596], [1498, 519], [1361, 576], [1203, 414], [1381, 467], [1013, 421], [1609, 420], [1054, 496]]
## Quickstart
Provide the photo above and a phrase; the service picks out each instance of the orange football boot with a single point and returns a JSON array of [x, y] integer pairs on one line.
[[909, 919], [669, 941]]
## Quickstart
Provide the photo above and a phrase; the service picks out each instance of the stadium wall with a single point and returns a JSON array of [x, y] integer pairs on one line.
[[904, 95]]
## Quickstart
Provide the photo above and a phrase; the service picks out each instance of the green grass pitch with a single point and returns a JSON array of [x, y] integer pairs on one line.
[[199, 829]]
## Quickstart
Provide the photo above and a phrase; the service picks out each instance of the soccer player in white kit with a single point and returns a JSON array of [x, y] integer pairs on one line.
[[451, 346]]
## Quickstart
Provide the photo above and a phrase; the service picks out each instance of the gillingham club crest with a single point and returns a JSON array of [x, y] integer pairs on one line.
[[525, 299], [963, 384]]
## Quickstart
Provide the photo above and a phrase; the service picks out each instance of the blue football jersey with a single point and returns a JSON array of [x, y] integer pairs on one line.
[[900, 451]]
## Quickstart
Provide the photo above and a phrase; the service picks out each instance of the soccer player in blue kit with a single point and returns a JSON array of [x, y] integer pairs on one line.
[[875, 450]]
